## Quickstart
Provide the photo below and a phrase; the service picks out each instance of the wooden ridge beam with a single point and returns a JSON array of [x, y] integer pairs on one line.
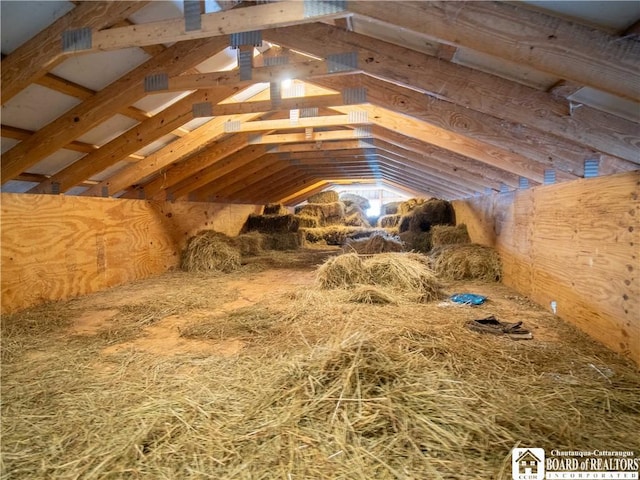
[[43, 51], [469, 88], [542, 41], [238, 20], [123, 92], [132, 140]]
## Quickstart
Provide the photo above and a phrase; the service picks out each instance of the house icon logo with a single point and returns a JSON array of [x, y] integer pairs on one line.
[[527, 463]]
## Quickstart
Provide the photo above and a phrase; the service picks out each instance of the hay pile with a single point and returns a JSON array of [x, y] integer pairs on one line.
[[422, 216], [321, 388], [328, 196], [210, 251], [250, 244], [351, 199], [467, 261], [306, 221], [448, 235], [272, 223], [416, 241], [391, 208], [327, 213], [389, 221], [376, 243], [405, 274], [274, 209], [356, 217]]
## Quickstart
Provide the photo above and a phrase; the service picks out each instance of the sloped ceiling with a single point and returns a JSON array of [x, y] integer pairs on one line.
[[446, 99]]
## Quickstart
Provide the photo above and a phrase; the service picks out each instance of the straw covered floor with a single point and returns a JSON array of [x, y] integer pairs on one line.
[[260, 374]]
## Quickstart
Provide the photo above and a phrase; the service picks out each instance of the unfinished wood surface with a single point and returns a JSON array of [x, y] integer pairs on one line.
[[124, 91], [550, 44], [43, 51], [468, 87], [57, 247], [212, 24], [576, 244]]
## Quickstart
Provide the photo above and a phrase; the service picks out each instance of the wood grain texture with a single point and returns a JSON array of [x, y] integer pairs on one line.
[[123, 92], [57, 247], [550, 44], [43, 51], [576, 243], [468, 87]]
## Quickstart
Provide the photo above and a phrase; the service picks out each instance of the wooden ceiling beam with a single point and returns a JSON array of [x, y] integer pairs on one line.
[[280, 138], [179, 149], [215, 168], [292, 103], [308, 122], [238, 20], [123, 92], [469, 88], [23, 134], [542, 41], [527, 142], [129, 142], [460, 144], [450, 162], [43, 51], [275, 73]]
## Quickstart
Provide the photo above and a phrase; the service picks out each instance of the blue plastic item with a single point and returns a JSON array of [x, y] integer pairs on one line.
[[468, 298]]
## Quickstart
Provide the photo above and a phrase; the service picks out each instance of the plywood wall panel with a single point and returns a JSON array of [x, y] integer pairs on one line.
[[575, 243], [56, 247]]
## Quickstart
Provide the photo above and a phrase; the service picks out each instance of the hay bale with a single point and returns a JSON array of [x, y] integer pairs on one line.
[[432, 212], [326, 213], [377, 243], [271, 223], [328, 196], [404, 223], [306, 221], [406, 274], [251, 243], [282, 241], [274, 209], [355, 217], [390, 208], [351, 199], [410, 205], [416, 241], [470, 261], [389, 221], [209, 251], [448, 235]]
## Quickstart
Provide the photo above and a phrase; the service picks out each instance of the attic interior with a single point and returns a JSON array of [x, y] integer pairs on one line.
[[232, 233]]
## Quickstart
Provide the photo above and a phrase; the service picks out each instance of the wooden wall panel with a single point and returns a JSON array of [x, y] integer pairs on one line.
[[575, 243], [56, 247]]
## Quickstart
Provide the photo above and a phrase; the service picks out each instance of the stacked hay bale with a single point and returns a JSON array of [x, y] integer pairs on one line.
[[391, 276], [418, 217], [277, 227], [442, 235], [326, 216], [389, 216], [466, 262], [210, 251]]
